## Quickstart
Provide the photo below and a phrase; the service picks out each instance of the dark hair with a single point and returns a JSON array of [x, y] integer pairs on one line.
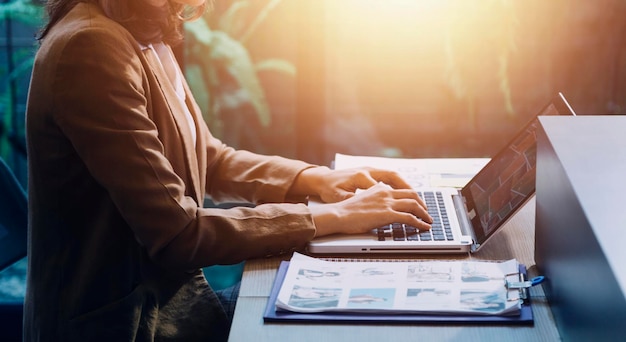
[[146, 22]]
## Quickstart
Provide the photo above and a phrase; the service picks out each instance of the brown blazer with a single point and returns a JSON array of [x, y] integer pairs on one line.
[[117, 232]]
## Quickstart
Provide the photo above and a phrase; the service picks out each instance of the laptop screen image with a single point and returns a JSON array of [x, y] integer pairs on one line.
[[508, 180]]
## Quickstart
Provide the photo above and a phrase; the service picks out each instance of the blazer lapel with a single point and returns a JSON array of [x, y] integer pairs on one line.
[[178, 112]]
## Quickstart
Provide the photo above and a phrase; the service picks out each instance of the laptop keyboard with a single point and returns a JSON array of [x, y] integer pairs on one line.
[[440, 228]]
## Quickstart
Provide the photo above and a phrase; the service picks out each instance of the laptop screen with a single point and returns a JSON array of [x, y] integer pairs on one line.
[[508, 180]]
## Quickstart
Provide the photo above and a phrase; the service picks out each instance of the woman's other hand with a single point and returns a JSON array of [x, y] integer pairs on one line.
[[380, 204], [337, 185]]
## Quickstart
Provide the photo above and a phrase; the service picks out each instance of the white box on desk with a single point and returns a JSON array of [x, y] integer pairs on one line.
[[580, 234]]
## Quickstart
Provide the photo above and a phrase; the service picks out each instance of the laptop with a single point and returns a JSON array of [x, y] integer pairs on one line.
[[464, 219]]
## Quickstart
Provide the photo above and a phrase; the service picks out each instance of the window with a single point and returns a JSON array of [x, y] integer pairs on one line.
[[411, 78]]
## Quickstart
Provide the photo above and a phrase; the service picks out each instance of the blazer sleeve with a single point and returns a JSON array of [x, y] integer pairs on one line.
[[239, 175], [102, 104]]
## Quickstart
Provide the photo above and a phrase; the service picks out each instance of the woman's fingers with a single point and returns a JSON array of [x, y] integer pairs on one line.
[[411, 194], [411, 213], [371, 208], [389, 177], [404, 201]]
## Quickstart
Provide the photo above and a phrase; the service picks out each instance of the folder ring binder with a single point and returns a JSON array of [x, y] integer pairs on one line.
[[523, 285]]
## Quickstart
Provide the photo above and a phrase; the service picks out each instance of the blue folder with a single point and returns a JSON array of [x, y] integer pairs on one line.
[[271, 315]]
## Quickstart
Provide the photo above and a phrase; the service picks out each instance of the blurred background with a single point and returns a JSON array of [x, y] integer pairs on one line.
[[399, 78], [410, 78]]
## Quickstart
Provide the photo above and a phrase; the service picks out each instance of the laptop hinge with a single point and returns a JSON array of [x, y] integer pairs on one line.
[[464, 223]]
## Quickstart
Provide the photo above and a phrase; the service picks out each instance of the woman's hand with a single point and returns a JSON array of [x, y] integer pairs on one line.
[[337, 185], [369, 209]]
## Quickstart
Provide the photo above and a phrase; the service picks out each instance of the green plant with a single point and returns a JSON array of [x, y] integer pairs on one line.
[[20, 62], [28, 12], [221, 72]]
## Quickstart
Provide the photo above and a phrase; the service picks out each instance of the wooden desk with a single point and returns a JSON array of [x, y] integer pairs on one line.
[[515, 240]]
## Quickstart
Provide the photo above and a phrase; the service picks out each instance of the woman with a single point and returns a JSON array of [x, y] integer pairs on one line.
[[120, 161]]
